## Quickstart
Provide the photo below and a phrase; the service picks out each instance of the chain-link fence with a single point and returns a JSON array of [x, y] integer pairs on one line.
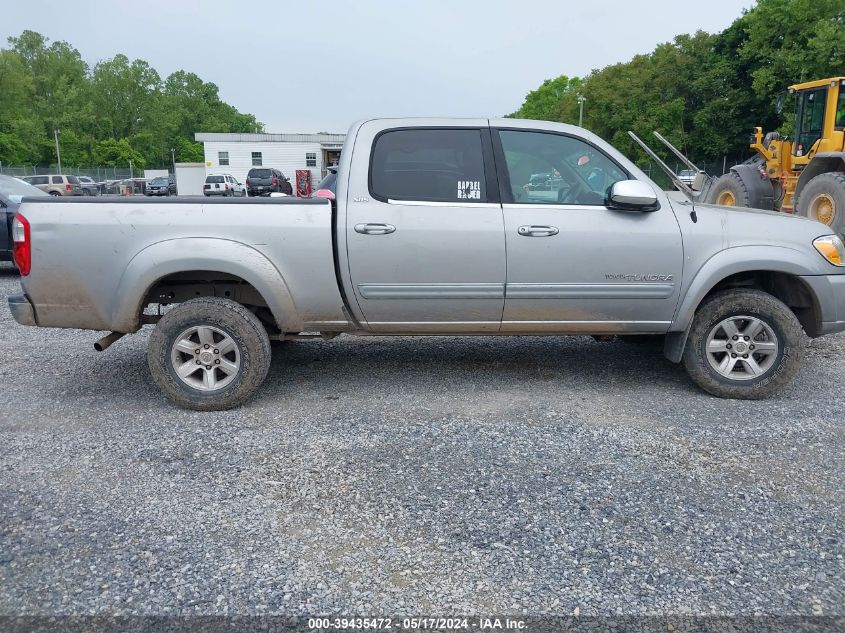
[[99, 174], [714, 168]]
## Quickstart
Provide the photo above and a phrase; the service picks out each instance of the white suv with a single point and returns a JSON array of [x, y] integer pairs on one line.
[[222, 185]]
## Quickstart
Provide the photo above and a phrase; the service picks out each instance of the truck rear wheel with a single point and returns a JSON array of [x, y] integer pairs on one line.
[[743, 344], [209, 354], [729, 191], [823, 199]]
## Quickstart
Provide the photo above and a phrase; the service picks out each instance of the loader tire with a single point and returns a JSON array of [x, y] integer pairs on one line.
[[823, 199], [729, 191]]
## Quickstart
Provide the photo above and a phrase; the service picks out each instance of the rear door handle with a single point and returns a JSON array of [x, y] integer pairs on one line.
[[537, 230], [374, 228]]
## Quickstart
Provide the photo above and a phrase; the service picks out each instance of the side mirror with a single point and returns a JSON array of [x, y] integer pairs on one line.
[[631, 195]]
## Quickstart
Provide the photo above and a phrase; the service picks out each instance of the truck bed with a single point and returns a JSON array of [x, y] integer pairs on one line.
[[95, 260]]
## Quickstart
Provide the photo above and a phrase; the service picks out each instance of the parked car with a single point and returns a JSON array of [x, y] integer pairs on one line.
[[687, 176], [262, 181], [56, 184], [222, 185], [12, 190], [89, 186], [327, 187], [435, 237], [110, 187], [161, 186], [135, 186]]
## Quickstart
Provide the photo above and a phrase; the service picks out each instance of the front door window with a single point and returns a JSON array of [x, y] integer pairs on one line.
[[556, 169]]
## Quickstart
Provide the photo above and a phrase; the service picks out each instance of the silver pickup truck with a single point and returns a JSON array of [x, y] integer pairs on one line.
[[439, 226]]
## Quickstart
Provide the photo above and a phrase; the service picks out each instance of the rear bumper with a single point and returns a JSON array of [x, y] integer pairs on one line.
[[830, 295], [22, 310]]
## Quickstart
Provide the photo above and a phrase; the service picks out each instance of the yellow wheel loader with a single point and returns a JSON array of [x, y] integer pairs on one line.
[[804, 175]]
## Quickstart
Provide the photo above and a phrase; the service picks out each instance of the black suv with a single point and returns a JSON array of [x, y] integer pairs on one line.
[[161, 186], [262, 181]]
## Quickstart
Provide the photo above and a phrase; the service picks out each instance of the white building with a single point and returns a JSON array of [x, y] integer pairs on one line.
[[236, 154]]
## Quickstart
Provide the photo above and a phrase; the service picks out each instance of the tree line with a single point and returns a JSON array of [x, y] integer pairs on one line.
[[705, 92], [106, 115]]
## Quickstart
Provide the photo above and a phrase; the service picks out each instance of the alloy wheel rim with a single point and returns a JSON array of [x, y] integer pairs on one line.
[[726, 199], [823, 209], [741, 347], [205, 358]]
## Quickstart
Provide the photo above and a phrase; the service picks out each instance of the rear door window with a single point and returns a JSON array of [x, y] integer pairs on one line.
[[57, 180], [434, 165]]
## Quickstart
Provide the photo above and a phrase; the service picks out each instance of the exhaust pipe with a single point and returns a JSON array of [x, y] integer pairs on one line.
[[105, 342]]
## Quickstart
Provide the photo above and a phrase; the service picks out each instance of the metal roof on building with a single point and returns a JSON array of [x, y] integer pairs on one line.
[[268, 138]]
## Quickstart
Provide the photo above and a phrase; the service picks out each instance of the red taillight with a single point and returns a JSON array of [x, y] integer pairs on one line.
[[275, 181], [22, 249], [227, 186], [247, 181], [324, 193], [67, 187]]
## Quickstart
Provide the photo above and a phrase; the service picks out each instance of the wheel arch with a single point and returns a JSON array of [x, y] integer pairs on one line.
[[178, 259], [821, 164], [778, 272]]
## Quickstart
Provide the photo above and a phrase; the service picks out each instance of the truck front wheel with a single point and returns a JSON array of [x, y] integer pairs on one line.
[[743, 344], [209, 354], [823, 199]]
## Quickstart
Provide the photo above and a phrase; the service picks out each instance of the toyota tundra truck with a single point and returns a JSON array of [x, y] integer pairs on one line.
[[436, 229]]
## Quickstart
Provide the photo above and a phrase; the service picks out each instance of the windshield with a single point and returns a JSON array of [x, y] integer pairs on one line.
[[15, 189], [159, 181]]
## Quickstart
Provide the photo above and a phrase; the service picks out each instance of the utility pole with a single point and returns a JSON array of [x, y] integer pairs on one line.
[[173, 156], [581, 99], [130, 168], [58, 153]]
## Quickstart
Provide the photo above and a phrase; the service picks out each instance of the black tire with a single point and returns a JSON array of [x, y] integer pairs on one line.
[[241, 325], [788, 335], [823, 192], [729, 190], [55, 193]]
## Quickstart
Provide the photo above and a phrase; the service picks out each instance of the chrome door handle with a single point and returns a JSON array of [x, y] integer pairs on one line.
[[374, 228], [536, 230]]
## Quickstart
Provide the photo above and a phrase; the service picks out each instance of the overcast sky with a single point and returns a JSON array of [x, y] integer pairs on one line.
[[307, 66]]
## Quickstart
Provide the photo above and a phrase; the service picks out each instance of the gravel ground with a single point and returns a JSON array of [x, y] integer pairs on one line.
[[434, 476]]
